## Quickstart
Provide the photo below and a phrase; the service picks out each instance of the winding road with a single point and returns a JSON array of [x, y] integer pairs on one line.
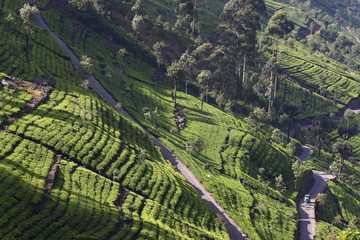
[[234, 231], [307, 221]]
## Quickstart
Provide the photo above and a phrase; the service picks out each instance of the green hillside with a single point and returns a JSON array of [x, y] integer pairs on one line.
[[74, 167]]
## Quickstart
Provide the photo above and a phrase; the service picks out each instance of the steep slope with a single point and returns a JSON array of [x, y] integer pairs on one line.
[[112, 174], [140, 92]]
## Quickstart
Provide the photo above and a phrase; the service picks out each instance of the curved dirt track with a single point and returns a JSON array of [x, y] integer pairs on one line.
[[234, 231]]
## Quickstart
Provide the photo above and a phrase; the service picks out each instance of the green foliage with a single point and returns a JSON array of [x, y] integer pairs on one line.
[[11, 102], [279, 24]]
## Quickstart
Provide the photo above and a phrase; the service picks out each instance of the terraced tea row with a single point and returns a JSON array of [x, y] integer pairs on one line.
[[82, 204], [93, 140], [11, 102], [308, 104], [336, 86]]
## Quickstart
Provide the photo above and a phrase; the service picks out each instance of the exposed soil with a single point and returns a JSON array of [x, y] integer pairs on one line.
[[180, 118], [51, 176], [40, 90], [121, 199], [317, 29]]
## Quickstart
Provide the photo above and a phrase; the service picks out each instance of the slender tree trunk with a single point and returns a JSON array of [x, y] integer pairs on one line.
[[244, 69], [207, 92], [158, 74], [27, 39], [288, 131], [275, 87], [186, 86], [174, 94], [121, 75]]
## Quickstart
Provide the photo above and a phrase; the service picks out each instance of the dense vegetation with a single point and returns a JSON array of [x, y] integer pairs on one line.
[[175, 59]]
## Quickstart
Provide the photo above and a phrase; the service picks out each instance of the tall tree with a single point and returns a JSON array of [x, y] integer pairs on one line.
[[184, 14], [238, 34], [159, 52], [277, 28], [137, 24], [298, 169], [348, 114], [203, 80], [120, 56], [344, 149], [136, 7], [27, 12], [85, 65], [178, 69]]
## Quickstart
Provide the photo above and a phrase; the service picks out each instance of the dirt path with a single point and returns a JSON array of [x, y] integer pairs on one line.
[[234, 231], [52, 173], [43, 93]]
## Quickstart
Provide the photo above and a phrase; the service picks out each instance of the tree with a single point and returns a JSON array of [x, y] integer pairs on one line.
[[27, 12], [136, 7], [298, 169], [120, 56], [291, 147], [344, 149], [99, 6], [276, 136], [321, 198], [80, 4], [85, 65], [280, 184], [240, 23], [348, 114], [335, 169], [279, 25], [178, 69], [256, 119], [322, 79], [159, 52], [260, 176], [174, 71], [337, 220], [184, 16], [137, 24], [194, 148], [203, 79], [9, 23], [85, 84]]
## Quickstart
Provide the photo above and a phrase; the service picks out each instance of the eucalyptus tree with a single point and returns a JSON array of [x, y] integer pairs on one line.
[[185, 16], [343, 149], [120, 56], [180, 69], [298, 169], [203, 80], [277, 28], [348, 114], [240, 23], [137, 24], [159, 52], [27, 13]]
